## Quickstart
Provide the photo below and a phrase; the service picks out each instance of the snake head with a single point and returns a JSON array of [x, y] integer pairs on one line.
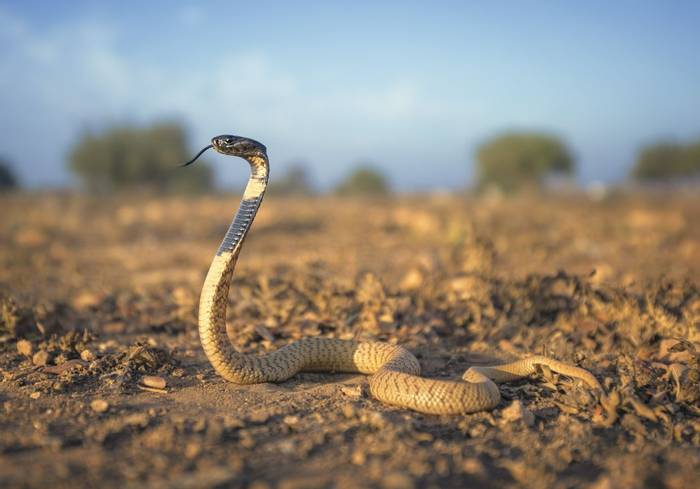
[[234, 146], [238, 146]]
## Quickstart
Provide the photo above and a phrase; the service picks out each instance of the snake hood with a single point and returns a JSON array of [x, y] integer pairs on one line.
[[234, 146]]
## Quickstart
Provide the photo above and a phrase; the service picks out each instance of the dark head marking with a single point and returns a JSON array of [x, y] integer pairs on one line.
[[233, 146]]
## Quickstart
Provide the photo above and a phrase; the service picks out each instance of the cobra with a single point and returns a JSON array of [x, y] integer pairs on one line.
[[394, 373]]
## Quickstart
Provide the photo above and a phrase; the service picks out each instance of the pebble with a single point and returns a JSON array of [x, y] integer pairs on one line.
[[259, 416], [40, 358], [374, 419], [291, 420], [287, 446], [349, 411], [353, 392], [358, 457], [87, 355], [137, 419], [473, 466], [153, 381], [232, 423], [99, 405], [412, 280], [200, 425], [35, 395], [86, 300], [516, 411], [193, 449], [423, 436], [247, 440], [25, 348], [397, 480]]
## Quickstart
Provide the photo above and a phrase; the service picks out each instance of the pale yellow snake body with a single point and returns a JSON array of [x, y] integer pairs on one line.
[[394, 371]]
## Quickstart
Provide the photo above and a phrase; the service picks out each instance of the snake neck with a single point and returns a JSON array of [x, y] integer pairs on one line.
[[252, 197], [214, 297]]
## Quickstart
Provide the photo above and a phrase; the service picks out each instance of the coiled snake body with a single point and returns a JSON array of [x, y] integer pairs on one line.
[[394, 371]]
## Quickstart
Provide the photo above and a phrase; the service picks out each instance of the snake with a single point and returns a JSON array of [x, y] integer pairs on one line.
[[394, 372]]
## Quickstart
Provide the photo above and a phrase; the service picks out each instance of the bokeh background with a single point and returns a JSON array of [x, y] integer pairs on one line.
[[408, 92]]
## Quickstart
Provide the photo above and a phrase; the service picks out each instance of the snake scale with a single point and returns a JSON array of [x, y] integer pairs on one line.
[[394, 372]]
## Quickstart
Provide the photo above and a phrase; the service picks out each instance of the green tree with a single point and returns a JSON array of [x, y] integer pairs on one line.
[[131, 157], [691, 159], [518, 159], [295, 182], [364, 180], [664, 161], [8, 180]]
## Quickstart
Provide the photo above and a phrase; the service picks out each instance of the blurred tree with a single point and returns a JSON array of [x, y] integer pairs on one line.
[[8, 180], [295, 182], [515, 160], [364, 180], [691, 159], [665, 161], [130, 157]]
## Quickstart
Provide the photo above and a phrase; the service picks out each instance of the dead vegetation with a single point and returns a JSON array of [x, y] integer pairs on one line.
[[102, 379]]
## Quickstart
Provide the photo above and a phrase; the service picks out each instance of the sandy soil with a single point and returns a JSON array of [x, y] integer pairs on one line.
[[96, 294]]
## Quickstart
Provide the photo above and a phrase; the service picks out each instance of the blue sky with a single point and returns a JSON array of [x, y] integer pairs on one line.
[[411, 86]]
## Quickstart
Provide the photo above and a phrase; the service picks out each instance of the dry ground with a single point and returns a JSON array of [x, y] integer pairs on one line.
[[97, 293]]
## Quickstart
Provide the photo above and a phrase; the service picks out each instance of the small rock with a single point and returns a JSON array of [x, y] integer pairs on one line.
[[423, 436], [349, 411], [397, 480], [353, 392], [87, 355], [200, 425], [291, 420], [153, 381], [259, 416], [137, 419], [412, 280], [25, 348], [35, 395], [358, 457], [99, 405], [473, 466], [193, 449], [375, 420], [40, 358], [516, 411], [232, 423], [287, 446], [247, 440], [86, 300]]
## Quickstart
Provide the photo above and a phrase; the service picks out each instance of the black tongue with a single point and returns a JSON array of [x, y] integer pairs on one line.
[[198, 155]]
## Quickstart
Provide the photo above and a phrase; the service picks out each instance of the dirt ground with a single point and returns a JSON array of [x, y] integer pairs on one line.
[[95, 294]]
